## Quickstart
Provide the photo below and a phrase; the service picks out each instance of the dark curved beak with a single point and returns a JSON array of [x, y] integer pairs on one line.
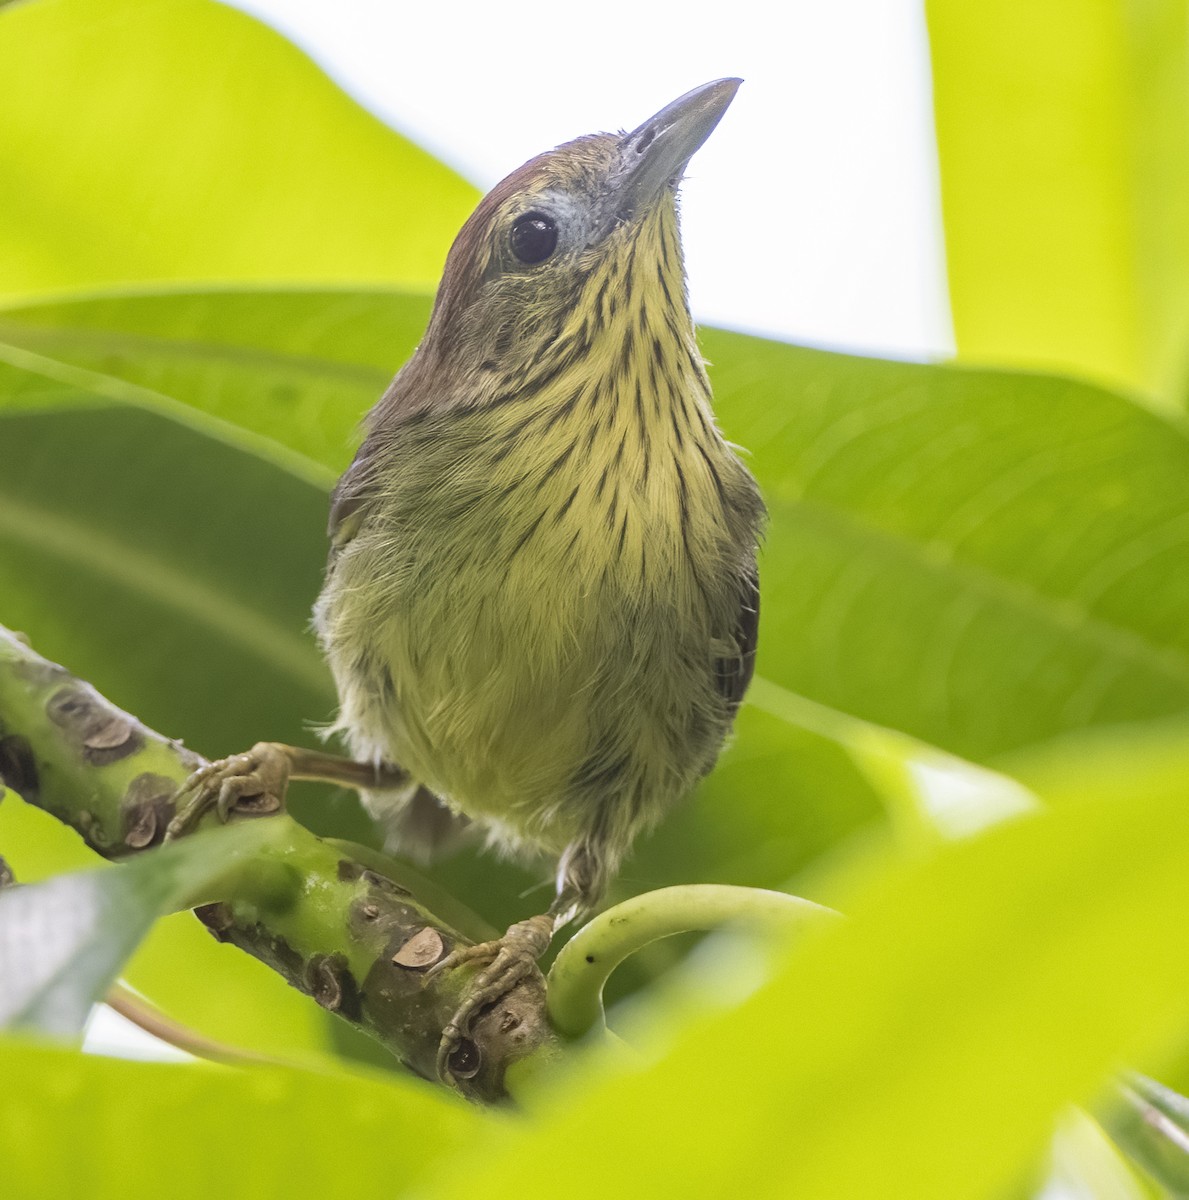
[[654, 155]]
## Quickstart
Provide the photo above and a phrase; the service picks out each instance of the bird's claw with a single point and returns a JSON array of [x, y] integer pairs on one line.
[[251, 784], [510, 959]]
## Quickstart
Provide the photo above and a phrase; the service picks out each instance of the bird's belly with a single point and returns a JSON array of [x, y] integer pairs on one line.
[[541, 709]]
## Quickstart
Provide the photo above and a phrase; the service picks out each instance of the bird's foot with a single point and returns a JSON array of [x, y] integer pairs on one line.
[[510, 959], [252, 784]]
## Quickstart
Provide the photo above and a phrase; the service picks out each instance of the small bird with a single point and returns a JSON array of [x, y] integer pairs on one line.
[[541, 602]]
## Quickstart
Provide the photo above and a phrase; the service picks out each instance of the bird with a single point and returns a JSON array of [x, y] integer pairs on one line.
[[541, 601]]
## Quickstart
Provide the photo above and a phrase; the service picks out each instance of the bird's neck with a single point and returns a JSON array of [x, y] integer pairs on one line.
[[606, 455], [600, 453]]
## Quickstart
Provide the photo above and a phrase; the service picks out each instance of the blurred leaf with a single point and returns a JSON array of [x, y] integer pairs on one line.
[[152, 1129], [183, 140], [1063, 134], [228, 995], [1152, 1125], [1132, 760], [63, 942], [173, 572], [936, 1034]]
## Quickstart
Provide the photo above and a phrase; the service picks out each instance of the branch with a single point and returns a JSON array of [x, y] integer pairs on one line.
[[335, 921]]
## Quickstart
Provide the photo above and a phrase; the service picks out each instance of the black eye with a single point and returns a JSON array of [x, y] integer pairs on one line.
[[534, 237]]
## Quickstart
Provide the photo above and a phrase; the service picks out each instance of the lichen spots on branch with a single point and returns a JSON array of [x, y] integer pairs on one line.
[[329, 980], [101, 731], [421, 951], [147, 809]]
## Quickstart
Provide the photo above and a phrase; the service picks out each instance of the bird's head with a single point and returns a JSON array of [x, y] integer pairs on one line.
[[565, 241]]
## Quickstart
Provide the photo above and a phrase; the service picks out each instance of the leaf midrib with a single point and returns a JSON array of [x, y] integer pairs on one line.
[[122, 391], [46, 337]]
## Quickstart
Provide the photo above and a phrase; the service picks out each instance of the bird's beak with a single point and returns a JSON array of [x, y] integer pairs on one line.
[[654, 155]]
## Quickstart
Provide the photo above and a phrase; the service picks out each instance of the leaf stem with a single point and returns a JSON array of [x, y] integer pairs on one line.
[[582, 968], [135, 1008]]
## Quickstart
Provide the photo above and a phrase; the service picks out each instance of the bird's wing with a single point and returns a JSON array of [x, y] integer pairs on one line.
[[347, 502], [734, 673], [359, 484]]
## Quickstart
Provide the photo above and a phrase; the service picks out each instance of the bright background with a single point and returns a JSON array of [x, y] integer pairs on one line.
[[811, 214]]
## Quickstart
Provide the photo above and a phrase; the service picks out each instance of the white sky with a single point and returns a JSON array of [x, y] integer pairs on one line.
[[810, 214]]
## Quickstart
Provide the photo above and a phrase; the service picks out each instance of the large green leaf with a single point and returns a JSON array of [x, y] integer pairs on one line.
[[172, 571], [1063, 135], [71, 1122], [183, 140], [981, 559], [1133, 760], [923, 1047]]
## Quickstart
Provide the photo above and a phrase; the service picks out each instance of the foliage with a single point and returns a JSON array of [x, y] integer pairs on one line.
[[974, 599]]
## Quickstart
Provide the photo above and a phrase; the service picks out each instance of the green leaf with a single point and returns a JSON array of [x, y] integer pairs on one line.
[[1132, 760], [63, 942], [981, 559], [298, 368], [938, 1032], [173, 572], [153, 1129], [1063, 137], [183, 140]]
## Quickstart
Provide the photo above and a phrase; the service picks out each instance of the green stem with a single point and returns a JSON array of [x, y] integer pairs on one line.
[[582, 968]]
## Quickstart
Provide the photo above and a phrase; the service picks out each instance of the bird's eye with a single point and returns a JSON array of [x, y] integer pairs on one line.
[[534, 237]]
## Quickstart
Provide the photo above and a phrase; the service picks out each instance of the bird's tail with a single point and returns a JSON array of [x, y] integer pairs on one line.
[[416, 824]]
